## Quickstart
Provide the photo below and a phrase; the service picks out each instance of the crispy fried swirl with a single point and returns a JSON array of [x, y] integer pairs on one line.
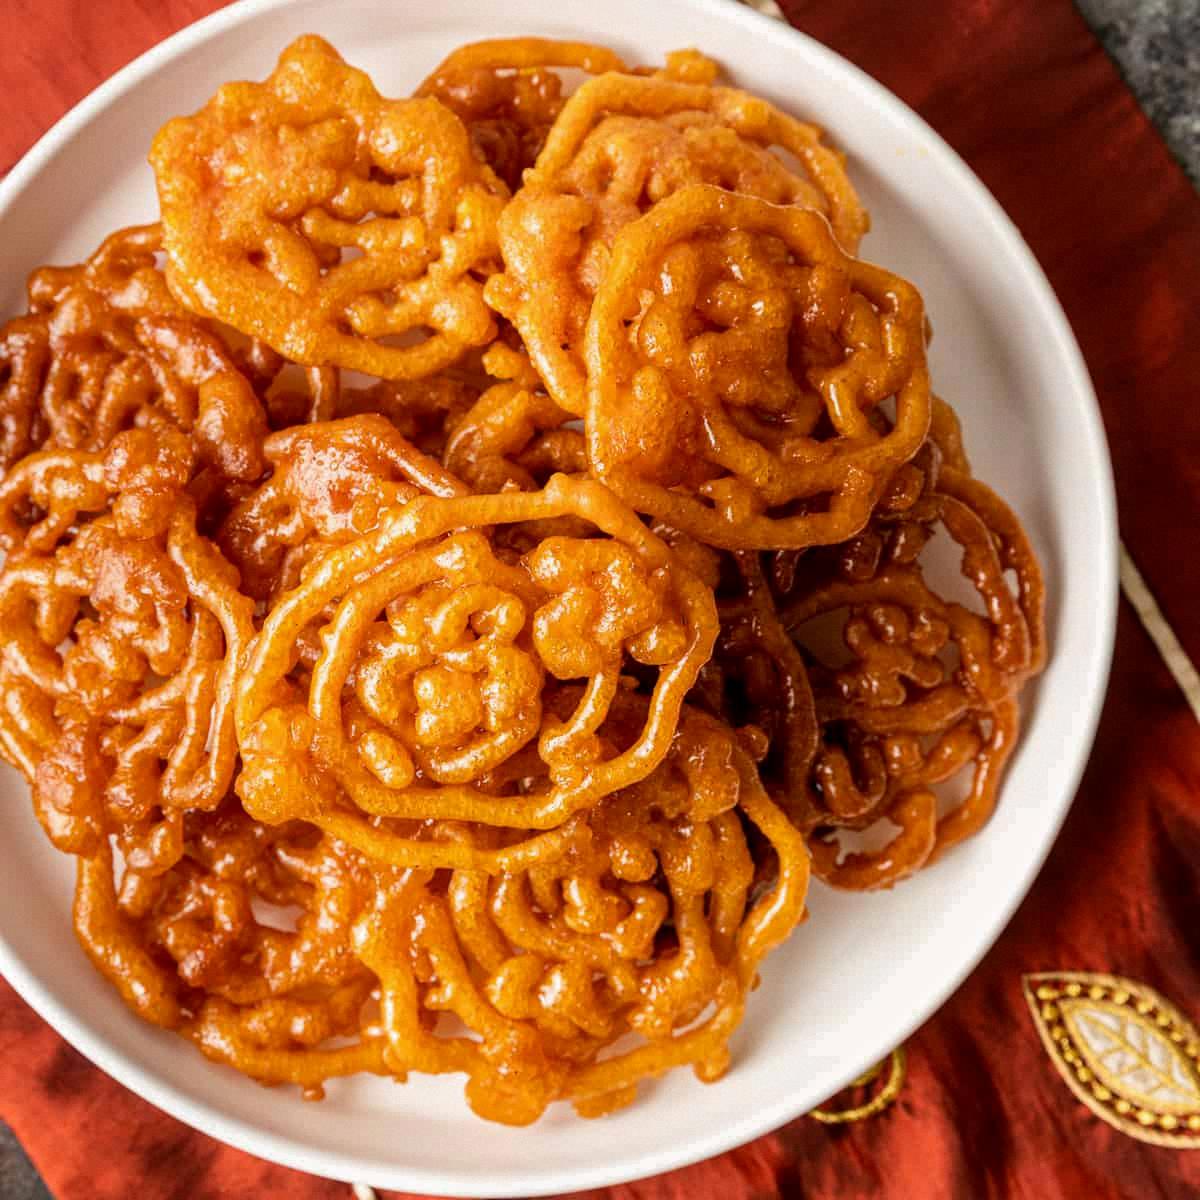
[[514, 435], [507, 92], [735, 357], [105, 348], [313, 213], [436, 648], [758, 681], [330, 482], [929, 694], [651, 927], [621, 145], [123, 647], [190, 948]]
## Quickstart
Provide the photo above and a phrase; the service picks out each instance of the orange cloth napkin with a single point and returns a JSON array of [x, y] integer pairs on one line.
[[1026, 95]]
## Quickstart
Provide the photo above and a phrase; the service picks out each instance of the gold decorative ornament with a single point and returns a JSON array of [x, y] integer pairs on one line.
[[893, 1070], [1124, 1050]]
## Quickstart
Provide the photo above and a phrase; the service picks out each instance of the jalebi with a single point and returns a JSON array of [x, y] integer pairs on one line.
[[466, 569]]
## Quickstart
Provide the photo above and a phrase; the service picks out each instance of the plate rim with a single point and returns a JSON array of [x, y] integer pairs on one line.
[[287, 1151]]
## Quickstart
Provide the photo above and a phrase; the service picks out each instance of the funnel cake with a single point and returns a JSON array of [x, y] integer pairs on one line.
[[735, 356], [622, 144], [106, 347], [337, 226], [929, 695], [508, 93], [124, 640], [437, 643]]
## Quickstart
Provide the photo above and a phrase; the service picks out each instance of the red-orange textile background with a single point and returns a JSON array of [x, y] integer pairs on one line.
[[1024, 92]]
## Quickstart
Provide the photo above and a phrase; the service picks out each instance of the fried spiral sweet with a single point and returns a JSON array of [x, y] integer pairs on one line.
[[546, 967], [106, 347], [514, 435], [508, 94], [551, 965], [758, 681], [437, 650], [330, 482], [123, 648], [190, 951], [312, 213], [621, 145], [930, 691], [696, 413], [471, 566]]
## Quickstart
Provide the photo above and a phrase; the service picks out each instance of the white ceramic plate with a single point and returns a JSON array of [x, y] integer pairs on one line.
[[865, 971]]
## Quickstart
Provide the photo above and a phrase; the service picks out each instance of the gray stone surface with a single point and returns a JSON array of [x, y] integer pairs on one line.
[[18, 1179], [1156, 43]]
